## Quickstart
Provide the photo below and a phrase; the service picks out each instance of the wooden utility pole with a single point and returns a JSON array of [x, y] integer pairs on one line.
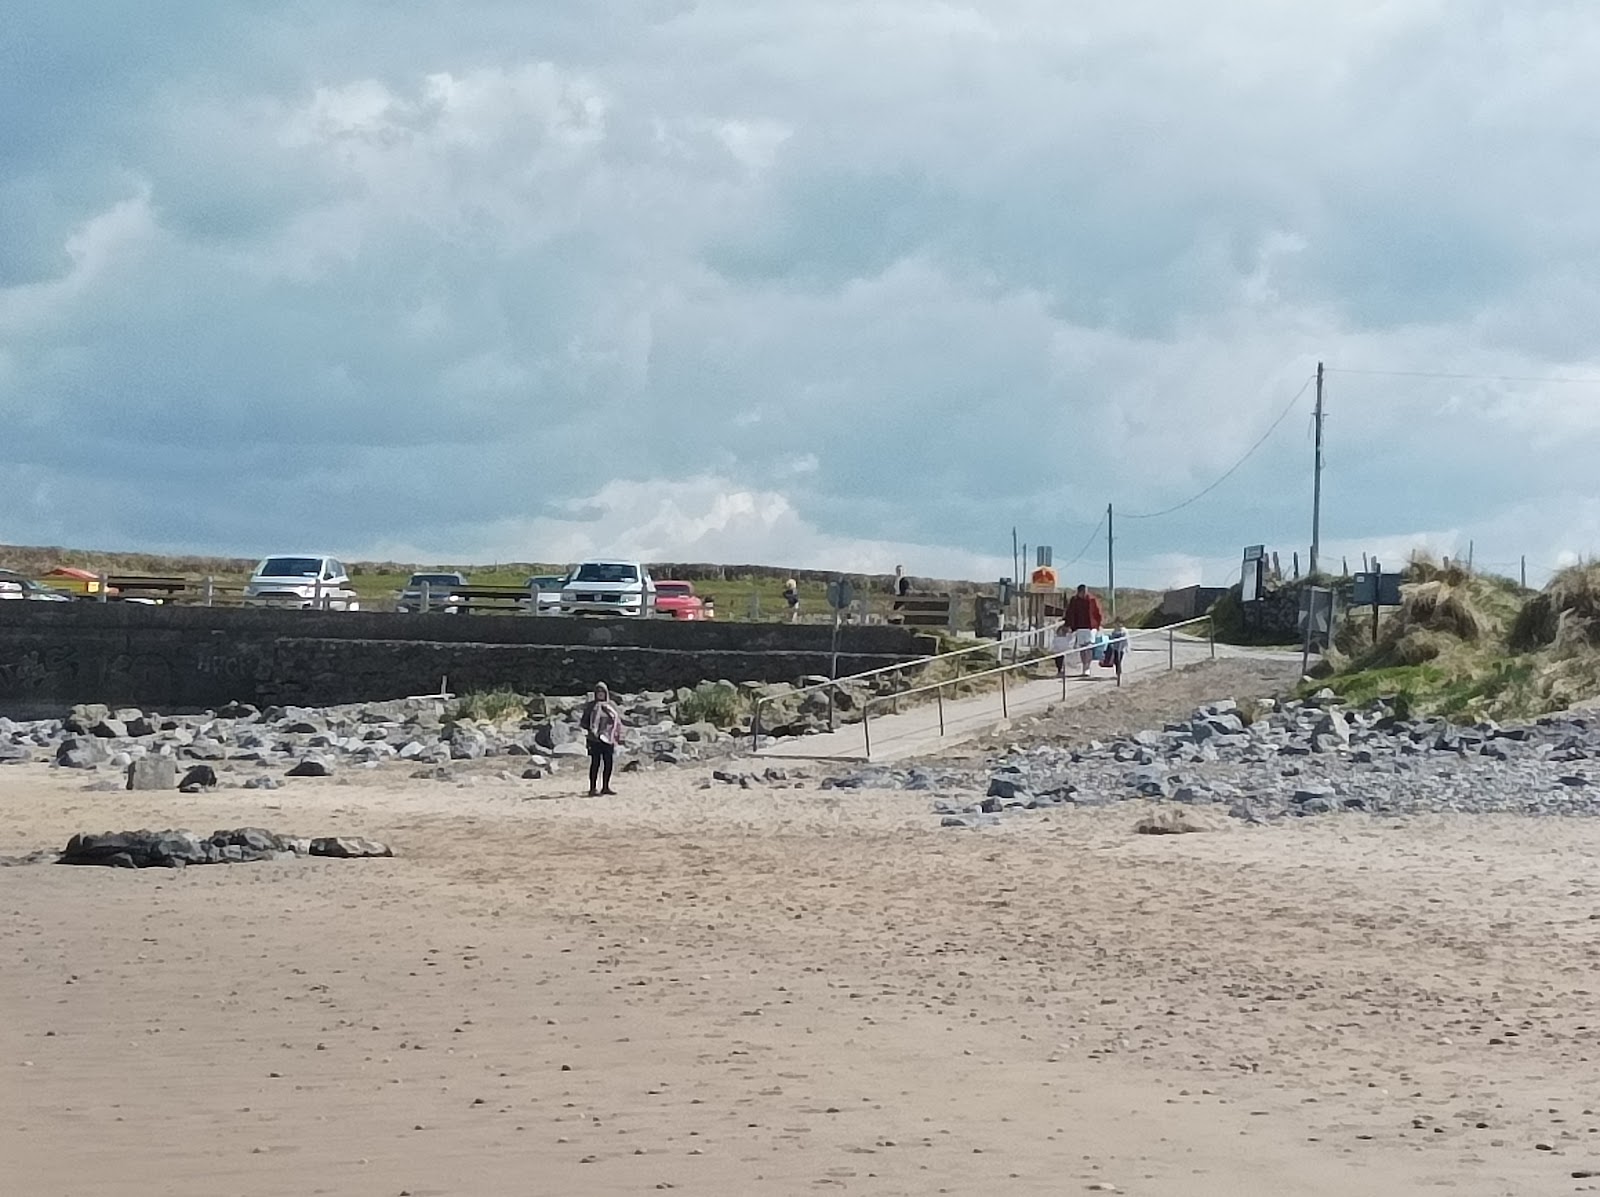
[[1316, 483], [1111, 564]]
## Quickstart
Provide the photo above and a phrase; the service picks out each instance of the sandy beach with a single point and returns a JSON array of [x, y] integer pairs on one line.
[[726, 991]]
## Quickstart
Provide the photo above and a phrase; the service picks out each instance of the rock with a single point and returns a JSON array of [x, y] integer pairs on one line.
[[153, 773], [348, 846], [85, 715], [1167, 820], [109, 729], [263, 783], [237, 710], [532, 774], [467, 744], [139, 726], [311, 766], [199, 777], [1005, 787], [552, 735], [82, 752]]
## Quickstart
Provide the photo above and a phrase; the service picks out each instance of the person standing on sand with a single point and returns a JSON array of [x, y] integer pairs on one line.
[[603, 723], [1083, 621]]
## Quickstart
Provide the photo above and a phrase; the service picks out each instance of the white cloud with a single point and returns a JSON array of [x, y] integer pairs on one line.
[[872, 275]]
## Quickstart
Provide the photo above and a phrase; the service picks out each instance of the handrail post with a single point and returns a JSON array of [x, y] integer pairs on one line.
[[1170, 650], [1005, 710], [940, 693], [755, 725], [1211, 629], [833, 693], [866, 727]]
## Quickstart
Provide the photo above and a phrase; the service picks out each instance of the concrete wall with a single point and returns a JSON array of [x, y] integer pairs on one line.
[[192, 658]]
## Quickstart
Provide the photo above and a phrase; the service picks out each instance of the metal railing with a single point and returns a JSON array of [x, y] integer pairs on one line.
[[1015, 642], [1003, 671]]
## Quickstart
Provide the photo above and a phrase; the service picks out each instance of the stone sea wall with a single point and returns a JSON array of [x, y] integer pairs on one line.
[[53, 656]]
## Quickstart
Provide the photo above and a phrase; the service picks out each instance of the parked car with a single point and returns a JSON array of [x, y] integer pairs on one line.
[[604, 586], [439, 597], [21, 587], [548, 588], [303, 582], [679, 600]]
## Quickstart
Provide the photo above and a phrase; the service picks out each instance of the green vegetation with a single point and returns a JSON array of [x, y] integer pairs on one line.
[[711, 702], [488, 706], [1473, 646]]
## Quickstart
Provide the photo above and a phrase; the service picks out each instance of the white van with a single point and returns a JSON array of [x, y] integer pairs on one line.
[[604, 586]]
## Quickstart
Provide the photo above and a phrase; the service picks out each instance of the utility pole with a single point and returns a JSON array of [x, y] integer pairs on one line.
[[1316, 484], [1111, 563]]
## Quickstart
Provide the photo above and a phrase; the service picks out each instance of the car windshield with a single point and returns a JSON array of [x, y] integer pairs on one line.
[[606, 571], [672, 589], [545, 582], [289, 567], [436, 579]]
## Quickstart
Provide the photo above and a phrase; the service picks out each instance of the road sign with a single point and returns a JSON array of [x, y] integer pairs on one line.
[[1377, 590], [841, 594]]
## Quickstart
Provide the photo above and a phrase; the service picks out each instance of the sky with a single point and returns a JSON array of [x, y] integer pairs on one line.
[[818, 283]]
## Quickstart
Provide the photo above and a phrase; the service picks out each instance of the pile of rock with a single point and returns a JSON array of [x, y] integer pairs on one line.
[[1294, 759], [176, 849], [159, 751]]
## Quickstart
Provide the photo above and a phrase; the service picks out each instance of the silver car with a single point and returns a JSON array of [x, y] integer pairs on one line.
[[19, 586], [438, 589], [546, 588], [302, 582]]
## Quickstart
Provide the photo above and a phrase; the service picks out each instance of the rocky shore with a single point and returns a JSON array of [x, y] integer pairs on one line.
[[1266, 761]]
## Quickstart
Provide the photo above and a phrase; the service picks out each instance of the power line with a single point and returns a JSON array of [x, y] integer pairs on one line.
[[1087, 544], [1282, 416], [1465, 377]]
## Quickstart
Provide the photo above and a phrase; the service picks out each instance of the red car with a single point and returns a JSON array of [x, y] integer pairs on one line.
[[679, 601]]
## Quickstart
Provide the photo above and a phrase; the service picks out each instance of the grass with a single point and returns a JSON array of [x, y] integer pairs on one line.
[[488, 706], [1474, 646], [712, 703]]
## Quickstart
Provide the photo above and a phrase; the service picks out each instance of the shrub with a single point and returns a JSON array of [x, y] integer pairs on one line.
[[710, 702], [489, 706], [1565, 613]]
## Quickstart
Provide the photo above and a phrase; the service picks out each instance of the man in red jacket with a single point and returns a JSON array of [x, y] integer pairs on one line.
[[1083, 621]]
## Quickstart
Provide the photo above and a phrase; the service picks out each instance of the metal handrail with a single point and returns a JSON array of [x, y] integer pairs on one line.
[[833, 683], [1001, 671]]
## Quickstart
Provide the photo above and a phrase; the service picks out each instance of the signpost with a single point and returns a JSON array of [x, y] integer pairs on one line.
[[1376, 589], [1316, 620]]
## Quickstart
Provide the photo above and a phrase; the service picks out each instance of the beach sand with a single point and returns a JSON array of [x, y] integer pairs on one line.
[[784, 991]]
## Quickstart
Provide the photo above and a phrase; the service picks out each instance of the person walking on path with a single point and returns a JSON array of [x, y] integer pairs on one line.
[[1116, 649], [1083, 620], [1061, 644], [603, 723], [791, 596]]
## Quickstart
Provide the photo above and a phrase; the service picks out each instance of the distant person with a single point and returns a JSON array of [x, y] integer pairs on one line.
[[1083, 620], [1116, 648], [791, 596], [1063, 643], [603, 723], [902, 584]]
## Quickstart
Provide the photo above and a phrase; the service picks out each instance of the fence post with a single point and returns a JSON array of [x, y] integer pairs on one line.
[[102, 596], [210, 590], [426, 598]]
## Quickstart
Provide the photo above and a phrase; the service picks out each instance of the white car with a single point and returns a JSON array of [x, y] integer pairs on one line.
[[303, 582], [439, 587], [605, 586]]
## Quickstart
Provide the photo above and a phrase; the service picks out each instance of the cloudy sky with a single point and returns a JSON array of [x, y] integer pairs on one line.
[[827, 283]]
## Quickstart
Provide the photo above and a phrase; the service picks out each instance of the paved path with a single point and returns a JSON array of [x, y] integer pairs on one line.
[[916, 730]]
